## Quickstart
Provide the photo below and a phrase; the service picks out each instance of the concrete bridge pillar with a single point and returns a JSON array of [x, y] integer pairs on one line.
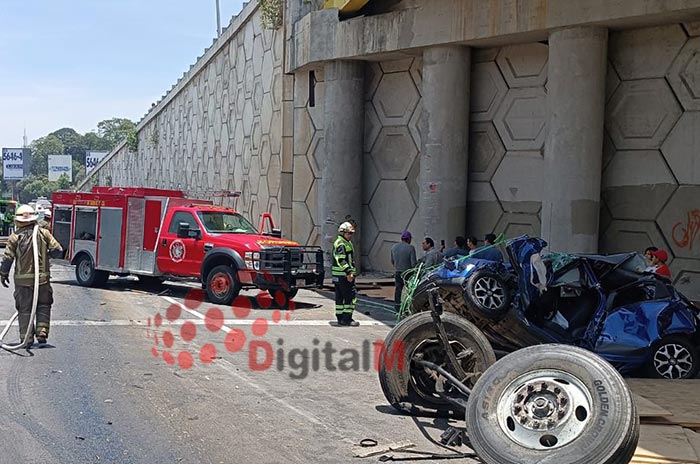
[[574, 145], [344, 135], [444, 135]]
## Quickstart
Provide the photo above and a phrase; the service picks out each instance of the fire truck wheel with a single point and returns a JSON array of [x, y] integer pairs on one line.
[[87, 275], [222, 285]]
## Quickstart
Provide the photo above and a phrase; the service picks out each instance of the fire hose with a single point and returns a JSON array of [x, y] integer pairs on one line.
[[35, 299]]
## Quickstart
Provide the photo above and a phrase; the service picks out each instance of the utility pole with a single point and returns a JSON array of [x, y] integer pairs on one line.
[[218, 19]]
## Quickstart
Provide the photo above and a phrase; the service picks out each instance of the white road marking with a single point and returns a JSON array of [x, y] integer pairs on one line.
[[231, 369]]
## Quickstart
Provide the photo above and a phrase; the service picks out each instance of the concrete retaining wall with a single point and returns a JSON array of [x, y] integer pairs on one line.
[[219, 128]]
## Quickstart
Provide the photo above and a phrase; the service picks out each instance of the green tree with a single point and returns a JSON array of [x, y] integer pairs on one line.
[[73, 143], [35, 186], [78, 172], [115, 130], [63, 183], [41, 149], [94, 142]]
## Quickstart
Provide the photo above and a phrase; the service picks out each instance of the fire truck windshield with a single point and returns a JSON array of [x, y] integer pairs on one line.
[[218, 222]]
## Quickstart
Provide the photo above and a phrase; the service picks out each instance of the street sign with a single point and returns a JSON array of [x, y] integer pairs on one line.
[[93, 158], [13, 166], [59, 165]]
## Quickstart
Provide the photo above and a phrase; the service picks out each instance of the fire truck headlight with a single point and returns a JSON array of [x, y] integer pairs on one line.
[[252, 260]]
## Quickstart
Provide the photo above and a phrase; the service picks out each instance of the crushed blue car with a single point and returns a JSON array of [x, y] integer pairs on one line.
[[607, 304]]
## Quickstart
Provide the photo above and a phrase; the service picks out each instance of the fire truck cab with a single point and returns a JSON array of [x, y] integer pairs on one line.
[[155, 234]]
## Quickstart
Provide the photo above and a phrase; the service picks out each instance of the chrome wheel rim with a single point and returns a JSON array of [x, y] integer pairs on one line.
[[489, 293], [673, 361], [544, 410]]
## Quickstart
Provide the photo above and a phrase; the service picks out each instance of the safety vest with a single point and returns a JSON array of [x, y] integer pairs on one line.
[[343, 257]]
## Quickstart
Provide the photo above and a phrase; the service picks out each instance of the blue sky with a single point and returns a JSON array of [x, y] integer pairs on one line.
[[73, 63]]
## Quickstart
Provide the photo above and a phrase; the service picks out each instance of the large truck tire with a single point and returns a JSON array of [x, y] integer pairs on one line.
[[87, 275], [222, 285], [555, 404], [407, 386]]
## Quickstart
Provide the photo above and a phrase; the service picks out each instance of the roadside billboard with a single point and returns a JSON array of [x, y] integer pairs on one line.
[[93, 158], [59, 165], [13, 163]]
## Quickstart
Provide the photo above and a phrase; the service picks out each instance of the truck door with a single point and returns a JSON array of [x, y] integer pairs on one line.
[[109, 249], [178, 255]]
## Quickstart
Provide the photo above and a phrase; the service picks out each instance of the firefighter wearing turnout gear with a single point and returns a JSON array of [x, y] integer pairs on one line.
[[19, 250], [343, 272]]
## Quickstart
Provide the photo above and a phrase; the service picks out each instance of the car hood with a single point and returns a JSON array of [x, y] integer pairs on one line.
[[252, 242]]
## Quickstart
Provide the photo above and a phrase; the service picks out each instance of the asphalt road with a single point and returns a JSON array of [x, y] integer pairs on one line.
[[132, 376]]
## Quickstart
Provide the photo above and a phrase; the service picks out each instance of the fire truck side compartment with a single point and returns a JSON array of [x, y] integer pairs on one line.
[[110, 238], [62, 220], [85, 230]]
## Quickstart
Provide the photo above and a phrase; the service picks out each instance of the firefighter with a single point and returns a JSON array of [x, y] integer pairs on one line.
[[46, 221], [19, 249], [343, 272]]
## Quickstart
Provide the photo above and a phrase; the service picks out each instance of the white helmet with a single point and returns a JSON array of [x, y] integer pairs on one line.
[[345, 228], [25, 214]]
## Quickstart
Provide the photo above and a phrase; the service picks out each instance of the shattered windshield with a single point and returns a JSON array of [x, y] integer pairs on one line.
[[219, 222]]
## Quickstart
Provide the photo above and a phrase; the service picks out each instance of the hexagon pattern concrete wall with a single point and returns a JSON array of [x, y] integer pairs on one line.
[[239, 123], [506, 140], [650, 193], [508, 112], [222, 131]]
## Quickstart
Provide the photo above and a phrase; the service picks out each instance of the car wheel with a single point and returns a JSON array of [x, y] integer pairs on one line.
[[673, 357], [222, 285], [488, 294], [552, 403], [409, 387], [87, 275]]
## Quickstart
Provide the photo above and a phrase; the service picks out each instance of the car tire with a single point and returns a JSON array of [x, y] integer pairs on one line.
[[673, 357], [222, 285], [552, 403], [87, 275], [407, 386], [487, 294]]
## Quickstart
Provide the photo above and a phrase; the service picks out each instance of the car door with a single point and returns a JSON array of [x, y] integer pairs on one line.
[[180, 255]]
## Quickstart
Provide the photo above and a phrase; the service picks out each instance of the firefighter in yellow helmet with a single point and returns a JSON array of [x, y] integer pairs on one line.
[[343, 272], [19, 250]]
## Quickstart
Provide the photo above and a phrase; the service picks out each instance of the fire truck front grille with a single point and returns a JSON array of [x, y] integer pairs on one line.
[[275, 261]]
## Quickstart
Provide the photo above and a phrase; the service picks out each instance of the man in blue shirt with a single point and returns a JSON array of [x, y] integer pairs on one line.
[[460, 248], [488, 251]]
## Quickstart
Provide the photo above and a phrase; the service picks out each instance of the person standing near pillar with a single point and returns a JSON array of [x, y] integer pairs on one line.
[[403, 257], [343, 272]]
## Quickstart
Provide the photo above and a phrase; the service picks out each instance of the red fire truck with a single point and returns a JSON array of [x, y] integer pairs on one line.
[[155, 234]]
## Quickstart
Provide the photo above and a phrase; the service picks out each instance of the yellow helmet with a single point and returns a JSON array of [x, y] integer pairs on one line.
[[345, 228], [25, 214]]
